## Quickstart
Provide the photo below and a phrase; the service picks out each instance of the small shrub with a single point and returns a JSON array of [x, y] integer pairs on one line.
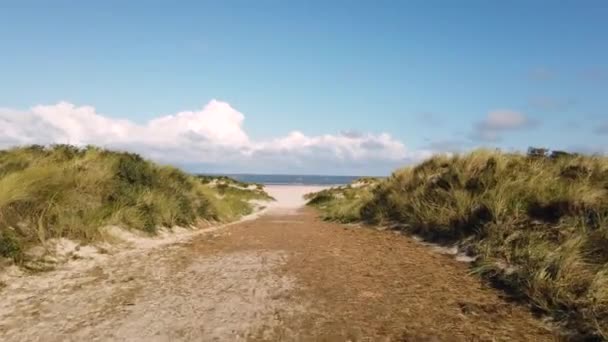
[[9, 245], [535, 152], [133, 170]]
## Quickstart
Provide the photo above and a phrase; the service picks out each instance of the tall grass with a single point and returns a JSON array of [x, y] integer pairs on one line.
[[538, 224], [65, 191], [343, 203]]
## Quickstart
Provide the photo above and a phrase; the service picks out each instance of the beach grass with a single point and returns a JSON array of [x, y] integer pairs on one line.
[[537, 223], [71, 192]]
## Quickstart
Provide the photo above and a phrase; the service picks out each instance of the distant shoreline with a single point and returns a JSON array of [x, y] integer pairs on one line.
[[270, 179], [304, 184]]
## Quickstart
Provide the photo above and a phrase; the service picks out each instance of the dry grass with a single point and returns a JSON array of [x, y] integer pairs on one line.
[[539, 225], [65, 191]]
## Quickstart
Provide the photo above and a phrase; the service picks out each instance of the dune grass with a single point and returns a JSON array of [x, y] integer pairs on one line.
[[65, 191], [537, 223], [227, 186], [343, 203]]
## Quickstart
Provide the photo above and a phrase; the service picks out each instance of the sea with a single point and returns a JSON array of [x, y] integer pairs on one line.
[[293, 179]]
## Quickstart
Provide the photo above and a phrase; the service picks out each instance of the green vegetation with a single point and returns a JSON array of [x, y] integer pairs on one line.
[[227, 186], [344, 203], [537, 223], [65, 191]]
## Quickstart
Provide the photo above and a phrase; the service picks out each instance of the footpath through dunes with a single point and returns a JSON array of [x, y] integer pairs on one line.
[[285, 276]]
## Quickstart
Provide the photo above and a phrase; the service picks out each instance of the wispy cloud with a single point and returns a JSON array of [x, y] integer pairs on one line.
[[213, 135], [497, 122], [595, 74], [542, 74], [429, 118], [602, 128], [452, 145], [588, 149], [547, 103]]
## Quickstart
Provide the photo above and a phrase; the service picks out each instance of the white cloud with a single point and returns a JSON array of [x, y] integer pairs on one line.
[[498, 122], [504, 120], [211, 136]]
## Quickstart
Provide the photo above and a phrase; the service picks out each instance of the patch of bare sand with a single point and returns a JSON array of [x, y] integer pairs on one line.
[[87, 282], [289, 198], [220, 298], [165, 296]]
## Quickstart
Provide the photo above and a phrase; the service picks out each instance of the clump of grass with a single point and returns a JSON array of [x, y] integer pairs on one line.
[[538, 223], [226, 186], [66, 191], [344, 203], [221, 179]]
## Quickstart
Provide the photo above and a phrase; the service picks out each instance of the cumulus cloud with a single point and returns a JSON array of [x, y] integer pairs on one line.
[[211, 136], [498, 122]]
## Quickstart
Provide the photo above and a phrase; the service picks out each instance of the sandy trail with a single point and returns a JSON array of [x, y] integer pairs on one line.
[[283, 276]]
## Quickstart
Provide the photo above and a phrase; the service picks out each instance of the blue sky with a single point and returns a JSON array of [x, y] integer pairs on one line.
[[434, 75]]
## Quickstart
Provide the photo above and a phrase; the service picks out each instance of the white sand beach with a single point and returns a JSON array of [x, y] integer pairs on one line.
[[290, 197]]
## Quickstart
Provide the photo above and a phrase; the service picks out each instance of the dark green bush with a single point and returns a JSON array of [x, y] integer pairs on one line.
[[9, 245]]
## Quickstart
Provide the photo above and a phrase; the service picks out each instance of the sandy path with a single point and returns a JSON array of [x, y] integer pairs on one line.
[[284, 276]]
